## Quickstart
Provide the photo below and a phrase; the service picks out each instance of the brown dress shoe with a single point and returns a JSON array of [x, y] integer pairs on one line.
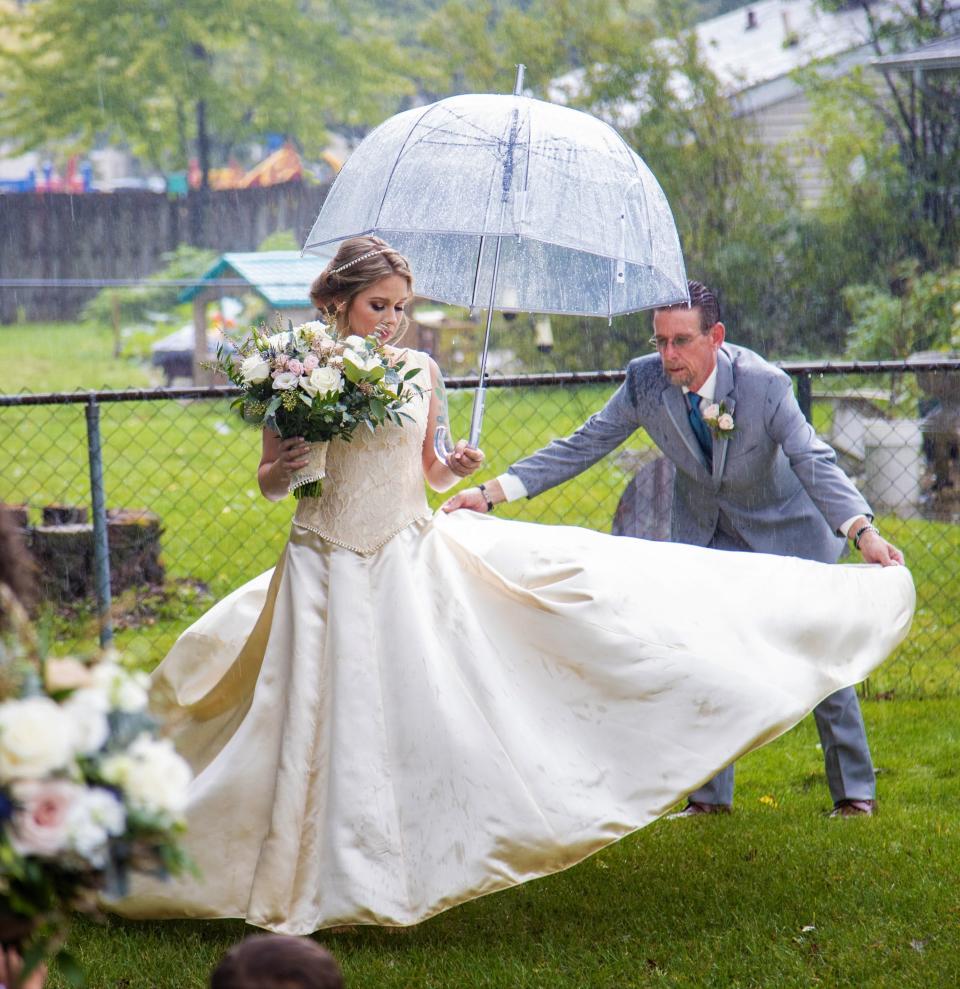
[[695, 808], [854, 808]]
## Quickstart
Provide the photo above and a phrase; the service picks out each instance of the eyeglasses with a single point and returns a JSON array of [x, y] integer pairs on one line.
[[679, 342]]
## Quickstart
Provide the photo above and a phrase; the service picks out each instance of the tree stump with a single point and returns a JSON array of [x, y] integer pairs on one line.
[[17, 514], [134, 539], [65, 515], [64, 555], [65, 558]]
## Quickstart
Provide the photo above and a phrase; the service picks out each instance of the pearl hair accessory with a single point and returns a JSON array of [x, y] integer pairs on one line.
[[363, 257]]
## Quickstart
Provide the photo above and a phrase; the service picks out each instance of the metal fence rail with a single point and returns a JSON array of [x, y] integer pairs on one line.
[[194, 526]]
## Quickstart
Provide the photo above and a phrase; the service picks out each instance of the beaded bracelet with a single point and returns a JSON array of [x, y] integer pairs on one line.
[[486, 497], [864, 528]]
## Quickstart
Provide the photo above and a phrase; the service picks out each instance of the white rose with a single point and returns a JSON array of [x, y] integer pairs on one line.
[[711, 411], [286, 380], [124, 690], [353, 342], [314, 326], [279, 340], [153, 777], [363, 364], [36, 738], [725, 421], [95, 817], [87, 713], [322, 380], [255, 369]]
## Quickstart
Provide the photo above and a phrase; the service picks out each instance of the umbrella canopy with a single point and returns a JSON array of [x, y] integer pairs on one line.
[[511, 203]]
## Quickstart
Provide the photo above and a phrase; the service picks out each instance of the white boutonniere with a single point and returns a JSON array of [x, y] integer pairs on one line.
[[720, 420]]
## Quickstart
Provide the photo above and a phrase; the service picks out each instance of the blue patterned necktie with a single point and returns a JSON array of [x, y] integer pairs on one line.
[[699, 427]]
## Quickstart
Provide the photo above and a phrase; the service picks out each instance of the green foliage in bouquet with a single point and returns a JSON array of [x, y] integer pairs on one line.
[[306, 382]]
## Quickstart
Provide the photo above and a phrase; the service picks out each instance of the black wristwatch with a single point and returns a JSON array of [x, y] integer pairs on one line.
[[483, 490]]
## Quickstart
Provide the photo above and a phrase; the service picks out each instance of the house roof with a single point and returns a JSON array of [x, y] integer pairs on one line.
[[785, 35], [942, 54], [754, 51], [282, 278]]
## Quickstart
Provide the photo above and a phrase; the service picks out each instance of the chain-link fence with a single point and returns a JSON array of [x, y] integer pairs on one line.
[[185, 522]]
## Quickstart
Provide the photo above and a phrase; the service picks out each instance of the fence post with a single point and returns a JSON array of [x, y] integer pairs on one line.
[[805, 395], [101, 547]]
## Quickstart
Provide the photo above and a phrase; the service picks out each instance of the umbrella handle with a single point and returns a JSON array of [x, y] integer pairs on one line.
[[476, 420], [441, 444]]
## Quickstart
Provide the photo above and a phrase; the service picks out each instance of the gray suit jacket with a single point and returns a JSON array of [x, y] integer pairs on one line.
[[777, 485]]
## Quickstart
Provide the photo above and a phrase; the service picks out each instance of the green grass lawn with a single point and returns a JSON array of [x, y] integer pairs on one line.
[[775, 895]]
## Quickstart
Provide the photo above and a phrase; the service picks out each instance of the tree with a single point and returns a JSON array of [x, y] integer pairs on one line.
[[167, 77], [921, 121]]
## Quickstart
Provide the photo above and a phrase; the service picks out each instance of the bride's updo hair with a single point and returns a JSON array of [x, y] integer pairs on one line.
[[359, 262]]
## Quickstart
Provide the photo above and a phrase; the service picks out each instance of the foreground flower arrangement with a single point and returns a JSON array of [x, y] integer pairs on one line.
[[88, 790], [306, 382]]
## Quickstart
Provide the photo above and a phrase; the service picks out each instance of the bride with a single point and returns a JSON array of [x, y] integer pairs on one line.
[[411, 711]]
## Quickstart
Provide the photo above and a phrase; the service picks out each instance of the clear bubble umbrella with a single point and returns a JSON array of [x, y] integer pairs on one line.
[[510, 203]]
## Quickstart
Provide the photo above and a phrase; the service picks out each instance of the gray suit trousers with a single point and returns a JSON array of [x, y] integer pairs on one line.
[[843, 737]]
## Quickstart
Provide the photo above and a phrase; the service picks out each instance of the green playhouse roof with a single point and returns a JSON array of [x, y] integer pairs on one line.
[[282, 278]]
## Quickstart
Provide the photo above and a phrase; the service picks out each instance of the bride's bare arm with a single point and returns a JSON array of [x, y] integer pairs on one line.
[[278, 461], [464, 460]]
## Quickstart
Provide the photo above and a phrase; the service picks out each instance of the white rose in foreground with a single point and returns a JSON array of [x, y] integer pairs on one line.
[[286, 380], [126, 691], [40, 824], [255, 369], [322, 381], [711, 411], [86, 710], [353, 342], [36, 738], [725, 421], [152, 775], [95, 817]]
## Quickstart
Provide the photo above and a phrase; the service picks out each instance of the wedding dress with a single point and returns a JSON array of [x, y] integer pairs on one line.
[[411, 711]]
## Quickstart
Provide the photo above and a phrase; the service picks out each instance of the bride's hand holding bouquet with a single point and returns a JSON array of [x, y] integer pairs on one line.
[[309, 386]]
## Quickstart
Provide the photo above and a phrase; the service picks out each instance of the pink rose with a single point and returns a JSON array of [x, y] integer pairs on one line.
[[295, 367], [39, 826], [310, 363], [725, 422], [711, 411]]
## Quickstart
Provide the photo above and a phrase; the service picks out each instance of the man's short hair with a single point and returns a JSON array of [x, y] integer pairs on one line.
[[701, 298], [276, 961]]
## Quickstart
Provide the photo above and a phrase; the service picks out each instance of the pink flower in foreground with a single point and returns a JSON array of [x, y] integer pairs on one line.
[[39, 826], [295, 367], [310, 363]]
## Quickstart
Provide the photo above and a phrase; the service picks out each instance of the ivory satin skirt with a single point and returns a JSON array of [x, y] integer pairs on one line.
[[482, 702]]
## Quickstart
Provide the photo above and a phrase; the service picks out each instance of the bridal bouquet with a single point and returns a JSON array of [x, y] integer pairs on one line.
[[306, 382], [88, 790]]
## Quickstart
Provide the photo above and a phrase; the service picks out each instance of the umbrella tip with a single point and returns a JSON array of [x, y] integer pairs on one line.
[[518, 86]]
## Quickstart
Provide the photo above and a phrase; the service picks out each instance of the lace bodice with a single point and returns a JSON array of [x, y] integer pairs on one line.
[[374, 484]]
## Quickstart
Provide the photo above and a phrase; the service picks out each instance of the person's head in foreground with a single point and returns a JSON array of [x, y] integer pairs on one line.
[[275, 961]]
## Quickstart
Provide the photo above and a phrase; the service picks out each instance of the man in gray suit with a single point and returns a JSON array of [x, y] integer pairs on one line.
[[751, 475]]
